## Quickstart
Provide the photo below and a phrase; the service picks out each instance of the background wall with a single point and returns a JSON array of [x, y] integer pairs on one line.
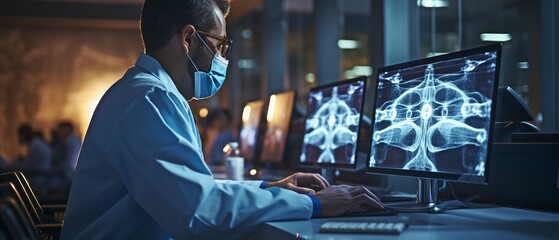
[[53, 73]]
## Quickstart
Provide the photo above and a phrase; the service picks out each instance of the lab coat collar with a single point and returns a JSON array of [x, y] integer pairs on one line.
[[153, 67]]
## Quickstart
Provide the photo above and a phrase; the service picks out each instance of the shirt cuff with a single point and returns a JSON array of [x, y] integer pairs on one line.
[[264, 184], [316, 206]]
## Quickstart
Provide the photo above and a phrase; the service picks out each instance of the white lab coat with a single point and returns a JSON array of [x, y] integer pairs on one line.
[[141, 172]]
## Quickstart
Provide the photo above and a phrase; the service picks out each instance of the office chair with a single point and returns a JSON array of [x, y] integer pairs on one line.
[[47, 212], [39, 214], [15, 223], [21, 220], [14, 184]]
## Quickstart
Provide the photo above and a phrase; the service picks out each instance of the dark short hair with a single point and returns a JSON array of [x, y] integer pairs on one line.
[[26, 132], [162, 18]]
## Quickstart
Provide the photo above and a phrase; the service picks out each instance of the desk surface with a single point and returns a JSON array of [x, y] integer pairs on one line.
[[473, 223]]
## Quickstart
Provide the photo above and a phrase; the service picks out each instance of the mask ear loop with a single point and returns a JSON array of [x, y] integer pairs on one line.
[[209, 49], [193, 64], [189, 58]]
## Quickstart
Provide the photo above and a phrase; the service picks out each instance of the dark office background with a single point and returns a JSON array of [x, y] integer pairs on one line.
[[58, 57]]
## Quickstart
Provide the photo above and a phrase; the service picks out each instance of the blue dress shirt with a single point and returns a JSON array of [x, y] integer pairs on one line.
[[141, 172]]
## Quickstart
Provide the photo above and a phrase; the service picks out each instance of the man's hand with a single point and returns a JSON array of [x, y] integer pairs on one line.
[[339, 199], [304, 183]]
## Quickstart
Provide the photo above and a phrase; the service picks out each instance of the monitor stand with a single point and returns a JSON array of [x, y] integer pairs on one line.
[[427, 200], [427, 192]]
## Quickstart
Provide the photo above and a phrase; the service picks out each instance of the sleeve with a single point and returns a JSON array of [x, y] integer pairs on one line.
[[316, 206], [254, 183], [158, 146]]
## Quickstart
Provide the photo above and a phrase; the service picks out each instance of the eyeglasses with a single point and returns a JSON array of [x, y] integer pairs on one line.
[[224, 43]]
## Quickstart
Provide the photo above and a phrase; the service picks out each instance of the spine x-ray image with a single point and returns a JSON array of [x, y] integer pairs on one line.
[[332, 124], [435, 117]]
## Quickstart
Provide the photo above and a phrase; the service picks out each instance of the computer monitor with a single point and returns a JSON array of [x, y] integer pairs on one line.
[[251, 117], [278, 120], [332, 125], [433, 119]]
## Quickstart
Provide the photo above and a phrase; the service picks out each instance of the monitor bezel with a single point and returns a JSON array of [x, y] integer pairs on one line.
[[440, 175], [339, 165]]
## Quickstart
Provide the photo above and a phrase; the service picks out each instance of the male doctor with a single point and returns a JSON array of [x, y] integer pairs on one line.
[[141, 172]]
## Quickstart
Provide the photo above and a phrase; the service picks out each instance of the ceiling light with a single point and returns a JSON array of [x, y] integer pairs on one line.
[[310, 78], [432, 3], [348, 44], [357, 71], [523, 65], [495, 37], [246, 63]]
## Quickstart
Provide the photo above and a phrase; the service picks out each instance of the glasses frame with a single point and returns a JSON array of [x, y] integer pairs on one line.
[[224, 43]]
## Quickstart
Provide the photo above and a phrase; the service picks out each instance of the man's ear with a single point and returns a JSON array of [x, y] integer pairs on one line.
[[186, 35]]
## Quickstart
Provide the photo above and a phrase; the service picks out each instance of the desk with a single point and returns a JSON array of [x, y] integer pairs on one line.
[[485, 222]]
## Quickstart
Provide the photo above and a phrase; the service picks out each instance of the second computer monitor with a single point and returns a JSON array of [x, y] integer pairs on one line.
[[332, 125], [252, 114], [278, 120]]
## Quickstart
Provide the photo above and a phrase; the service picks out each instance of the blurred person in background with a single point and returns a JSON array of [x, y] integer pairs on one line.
[[36, 163], [71, 142], [65, 145], [38, 156], [219, 120]]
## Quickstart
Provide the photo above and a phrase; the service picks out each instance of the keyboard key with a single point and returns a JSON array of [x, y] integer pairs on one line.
[[363, 227]]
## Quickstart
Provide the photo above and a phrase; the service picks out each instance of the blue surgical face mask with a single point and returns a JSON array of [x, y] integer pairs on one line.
[[206, 84]]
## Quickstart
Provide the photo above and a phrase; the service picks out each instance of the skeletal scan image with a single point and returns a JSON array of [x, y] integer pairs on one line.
[[435, 117], [332, 124]]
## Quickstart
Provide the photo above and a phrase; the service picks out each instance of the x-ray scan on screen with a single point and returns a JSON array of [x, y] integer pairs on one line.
[[332, 125], [435, 115]]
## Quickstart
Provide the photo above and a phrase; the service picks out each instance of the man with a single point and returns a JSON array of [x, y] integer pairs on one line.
[[219, 123], [39, 154], [141, 172], [36, 164], [72, 144]]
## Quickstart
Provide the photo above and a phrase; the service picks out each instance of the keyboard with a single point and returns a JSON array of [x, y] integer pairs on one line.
[[363, 227], [371, 212]]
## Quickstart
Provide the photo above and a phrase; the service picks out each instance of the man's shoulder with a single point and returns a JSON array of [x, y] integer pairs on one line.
[[134, 83], [138, 78]]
